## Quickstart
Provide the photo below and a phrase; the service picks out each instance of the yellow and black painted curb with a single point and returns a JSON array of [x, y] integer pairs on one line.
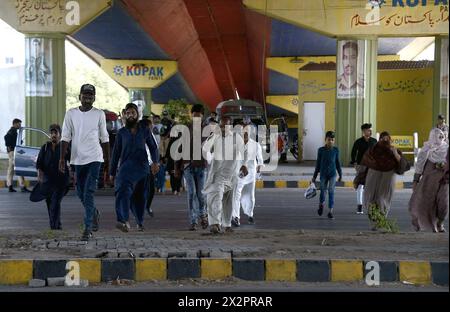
[[260, 184], [305, 184], [20, 272]]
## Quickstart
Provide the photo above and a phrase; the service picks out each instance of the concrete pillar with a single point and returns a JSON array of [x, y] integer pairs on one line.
[[143, 99], [356, 91], [440, 85], [45, 81]]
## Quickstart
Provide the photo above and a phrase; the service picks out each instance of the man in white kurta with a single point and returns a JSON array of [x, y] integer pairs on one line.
[[225, 167], [244, 192]]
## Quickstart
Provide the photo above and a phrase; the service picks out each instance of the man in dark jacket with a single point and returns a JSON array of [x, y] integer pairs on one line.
[[53, 182], [359, 149], [10, 142], [130, 168]]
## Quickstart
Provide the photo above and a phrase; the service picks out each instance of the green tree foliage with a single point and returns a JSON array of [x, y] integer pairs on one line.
[[110, 95], [180, 108]]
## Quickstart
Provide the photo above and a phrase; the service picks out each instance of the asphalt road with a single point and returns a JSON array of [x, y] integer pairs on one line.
[[275, 209]]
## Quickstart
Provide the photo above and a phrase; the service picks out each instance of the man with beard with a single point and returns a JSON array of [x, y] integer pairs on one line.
[[131, 183], [85, 127], [226, 166]]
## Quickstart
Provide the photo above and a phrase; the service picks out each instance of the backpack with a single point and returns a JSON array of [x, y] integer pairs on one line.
[[9, 140]]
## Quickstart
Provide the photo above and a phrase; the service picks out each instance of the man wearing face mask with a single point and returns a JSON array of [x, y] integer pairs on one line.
[[85, 127], [226, 167], [132, 175]]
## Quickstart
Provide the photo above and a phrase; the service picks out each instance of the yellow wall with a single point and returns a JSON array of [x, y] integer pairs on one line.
[[404, 99], [157, 109], [286, 102], [407, 108]]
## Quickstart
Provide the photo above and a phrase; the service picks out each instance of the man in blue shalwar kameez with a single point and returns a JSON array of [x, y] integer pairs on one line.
[[131, 182]]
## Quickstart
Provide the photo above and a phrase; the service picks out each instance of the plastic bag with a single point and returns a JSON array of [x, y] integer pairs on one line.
[[311, 191]]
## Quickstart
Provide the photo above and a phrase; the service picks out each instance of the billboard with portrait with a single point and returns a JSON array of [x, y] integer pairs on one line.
[[350, 70], [38, 67]]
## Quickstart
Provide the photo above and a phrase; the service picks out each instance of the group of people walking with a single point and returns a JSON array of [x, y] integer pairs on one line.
[[378, 162], [82, 145], [220, 174]]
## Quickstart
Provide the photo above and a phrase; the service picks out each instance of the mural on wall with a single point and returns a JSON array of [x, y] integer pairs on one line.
[[350, 73], [444, 69], [414, 85], [314, 87], [38, 67]]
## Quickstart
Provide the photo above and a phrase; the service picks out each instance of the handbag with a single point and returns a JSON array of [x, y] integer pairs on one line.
[[39, 193]]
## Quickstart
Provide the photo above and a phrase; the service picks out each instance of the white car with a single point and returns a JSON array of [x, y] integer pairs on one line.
[[25, 154]]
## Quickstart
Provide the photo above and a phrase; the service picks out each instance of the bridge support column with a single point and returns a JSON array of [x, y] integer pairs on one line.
[[440, 85], [45, 81], [356, 91]]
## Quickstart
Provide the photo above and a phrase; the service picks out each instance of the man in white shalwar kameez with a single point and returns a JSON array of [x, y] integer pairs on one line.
[[244, 192], [225, 167]]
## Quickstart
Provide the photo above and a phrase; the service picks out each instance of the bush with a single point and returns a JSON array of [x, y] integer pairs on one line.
[[180, 109], [378, 217]]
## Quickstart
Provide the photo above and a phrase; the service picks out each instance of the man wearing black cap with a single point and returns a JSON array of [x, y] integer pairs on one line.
[[53, 183], [85, 127], [359, 148], [131, 177]]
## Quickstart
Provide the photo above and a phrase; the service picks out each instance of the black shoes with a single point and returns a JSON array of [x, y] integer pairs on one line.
[[23, 189], [215, 229], [359, 210], [193, 227], [96, 221], [251, 220], [235, 222], [122, 226], [87, 235], [140, 228], [320, 211], [204, 222]]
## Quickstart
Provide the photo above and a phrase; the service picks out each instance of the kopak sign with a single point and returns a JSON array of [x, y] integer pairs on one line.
[[139, 74]]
